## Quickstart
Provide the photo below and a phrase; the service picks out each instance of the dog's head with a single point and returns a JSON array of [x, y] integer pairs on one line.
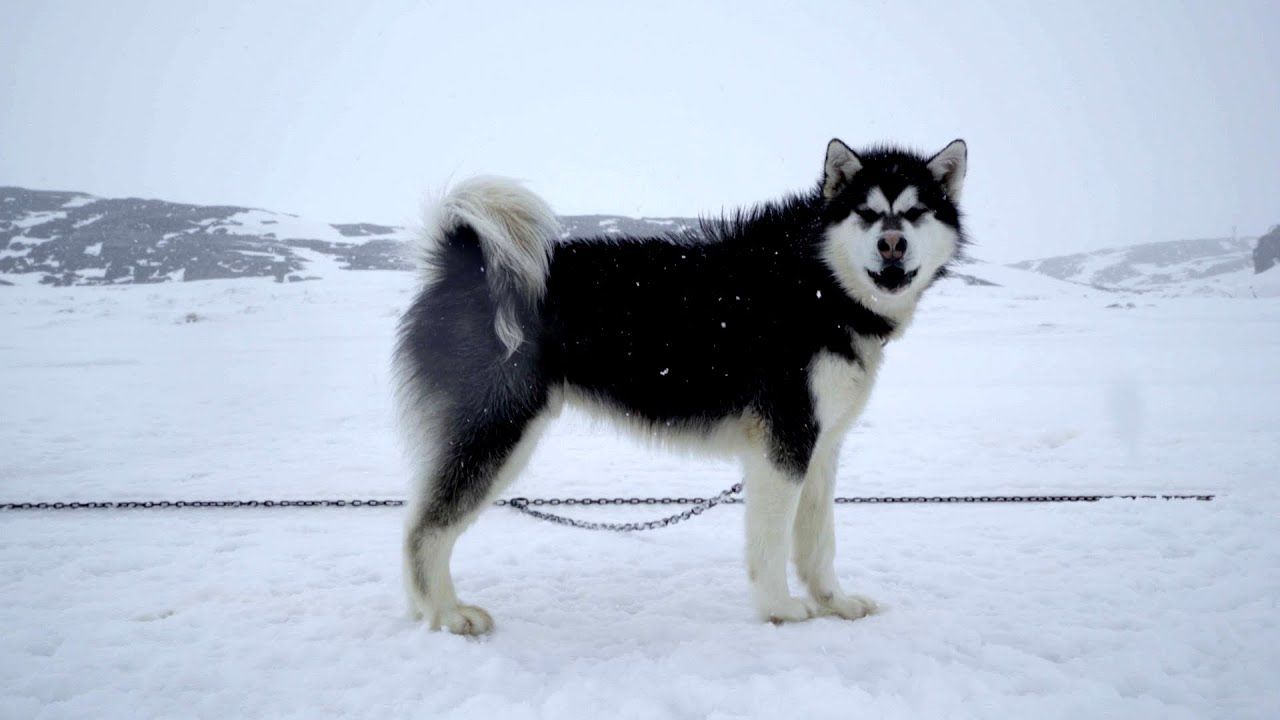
[[892, 219]]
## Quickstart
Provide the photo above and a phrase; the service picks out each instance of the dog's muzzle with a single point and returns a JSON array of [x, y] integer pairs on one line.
[[892, 277]]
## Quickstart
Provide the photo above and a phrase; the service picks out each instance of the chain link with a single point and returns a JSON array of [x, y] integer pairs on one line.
[[151, 504], [700, 505], [726, 498], [527, 505]]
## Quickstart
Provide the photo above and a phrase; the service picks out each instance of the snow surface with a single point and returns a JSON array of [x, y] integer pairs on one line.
[[39, 218], [1266, 284], [80, 201], [1242, 283], [1015, 283], [282, 225], [252, 389]]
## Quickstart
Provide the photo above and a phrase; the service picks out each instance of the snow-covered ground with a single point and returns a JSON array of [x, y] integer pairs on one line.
[[251, 389]]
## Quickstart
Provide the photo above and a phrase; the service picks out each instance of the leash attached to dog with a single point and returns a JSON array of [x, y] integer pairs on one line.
[[527, 505], [700, 505]]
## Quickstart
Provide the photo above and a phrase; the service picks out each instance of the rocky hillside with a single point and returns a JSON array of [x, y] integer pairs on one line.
[[68, 238]]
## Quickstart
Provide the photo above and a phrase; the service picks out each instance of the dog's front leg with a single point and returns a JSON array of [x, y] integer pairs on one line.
[[815, 540], [772, 495]]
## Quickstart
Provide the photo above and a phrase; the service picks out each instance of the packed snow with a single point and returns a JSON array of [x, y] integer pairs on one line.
[[249, 389]]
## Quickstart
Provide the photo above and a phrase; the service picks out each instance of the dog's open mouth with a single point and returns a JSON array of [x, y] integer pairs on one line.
[[892, 278]]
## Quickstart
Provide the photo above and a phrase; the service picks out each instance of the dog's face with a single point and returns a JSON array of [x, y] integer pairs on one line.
[[892, 219]]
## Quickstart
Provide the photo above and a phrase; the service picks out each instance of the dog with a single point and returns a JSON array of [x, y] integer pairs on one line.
[[757, 336]]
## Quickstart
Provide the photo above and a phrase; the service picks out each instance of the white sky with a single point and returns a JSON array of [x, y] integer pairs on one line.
[[1090, 124]]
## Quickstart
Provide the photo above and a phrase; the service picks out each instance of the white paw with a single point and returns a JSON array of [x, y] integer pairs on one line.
[[418, 608], [849, 607], [463, 620], [790, 609]]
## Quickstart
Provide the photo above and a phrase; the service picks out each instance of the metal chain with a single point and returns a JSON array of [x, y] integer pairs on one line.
[[946, 499], [526, 505], [149, 504], [699, 506], [725, 498]]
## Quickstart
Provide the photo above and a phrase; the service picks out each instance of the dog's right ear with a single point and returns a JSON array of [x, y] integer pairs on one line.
[[842, 164]]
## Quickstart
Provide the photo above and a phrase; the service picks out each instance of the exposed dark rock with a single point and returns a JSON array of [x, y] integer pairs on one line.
[[971, 280], [1267, 253], [365, 229]]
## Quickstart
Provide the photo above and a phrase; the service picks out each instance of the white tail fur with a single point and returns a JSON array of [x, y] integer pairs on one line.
[[516, 230]]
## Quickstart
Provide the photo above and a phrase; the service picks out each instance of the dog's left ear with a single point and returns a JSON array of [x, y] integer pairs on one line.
[[842, 164], [949, 166]]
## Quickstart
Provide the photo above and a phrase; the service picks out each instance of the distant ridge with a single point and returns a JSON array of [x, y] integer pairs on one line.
[[1151, 266], [60, 238], [71, 238]]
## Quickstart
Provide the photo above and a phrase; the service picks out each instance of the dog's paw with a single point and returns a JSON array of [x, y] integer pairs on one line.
[[463, 620], [791, 609], [849, 607]]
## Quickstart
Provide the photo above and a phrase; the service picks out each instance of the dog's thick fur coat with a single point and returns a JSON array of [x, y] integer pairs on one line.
[[758, 337]]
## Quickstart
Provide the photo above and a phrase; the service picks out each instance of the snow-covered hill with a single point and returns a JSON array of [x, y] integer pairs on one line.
[[70, 238], [972, 276], [67, 238], [1214, 266]]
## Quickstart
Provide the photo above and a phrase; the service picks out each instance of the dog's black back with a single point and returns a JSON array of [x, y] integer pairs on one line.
[[689, 330]]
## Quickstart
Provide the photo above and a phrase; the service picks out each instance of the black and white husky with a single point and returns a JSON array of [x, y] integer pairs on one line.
[[758, 337]]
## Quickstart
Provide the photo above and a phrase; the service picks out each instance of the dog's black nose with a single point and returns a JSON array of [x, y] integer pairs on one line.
[[892, 246]]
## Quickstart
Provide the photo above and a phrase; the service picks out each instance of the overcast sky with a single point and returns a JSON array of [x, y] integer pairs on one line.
[[1090, 124]]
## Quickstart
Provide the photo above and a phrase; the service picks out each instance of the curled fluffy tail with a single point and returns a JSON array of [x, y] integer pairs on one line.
[[515, 230]]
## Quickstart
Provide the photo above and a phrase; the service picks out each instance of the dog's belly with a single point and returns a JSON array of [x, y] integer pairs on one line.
[[728, 435], [696, 391]]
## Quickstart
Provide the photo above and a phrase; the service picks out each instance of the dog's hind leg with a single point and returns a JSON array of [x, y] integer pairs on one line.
[[473, 385], [479, 458], [814, 549]]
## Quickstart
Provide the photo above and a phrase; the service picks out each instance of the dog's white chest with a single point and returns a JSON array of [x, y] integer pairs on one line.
[[840, 388]]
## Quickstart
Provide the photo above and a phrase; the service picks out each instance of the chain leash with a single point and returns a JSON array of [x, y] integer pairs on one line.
[[700, 505], [153, 504], [527, 505]]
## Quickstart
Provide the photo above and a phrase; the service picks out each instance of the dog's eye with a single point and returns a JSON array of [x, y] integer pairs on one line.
[[913, 214], [868, 215]]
